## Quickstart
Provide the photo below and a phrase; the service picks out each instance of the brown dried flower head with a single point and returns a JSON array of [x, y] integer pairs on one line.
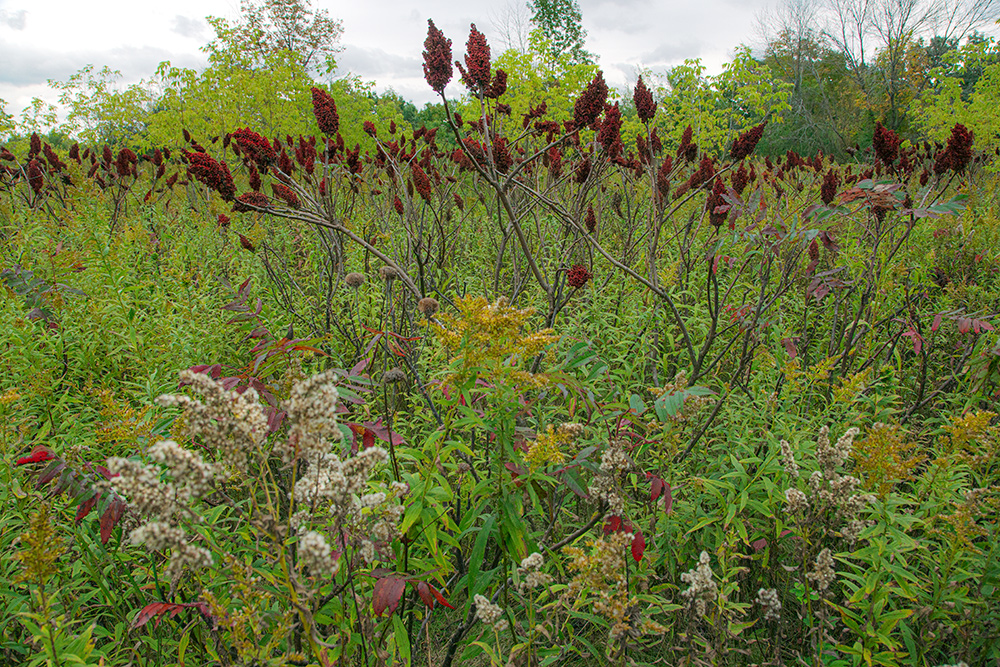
[[354, 280]]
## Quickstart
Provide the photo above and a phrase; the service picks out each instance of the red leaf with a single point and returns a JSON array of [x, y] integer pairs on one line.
[[937, 322], [110, 518], [382, 433], [790, 348], [613, 525], [759, 545], [638, 545], [158, 609], [388, 591], [655, 486], [424, 591], [38, 454], [85, 507], [668, 499], [50, 473], [440, 598]]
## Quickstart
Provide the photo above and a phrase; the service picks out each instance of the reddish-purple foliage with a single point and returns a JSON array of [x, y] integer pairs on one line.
[[829, 188], [325, 110], [286, 194], [36, 177], [578, 276], [591, 102], [214, 174], [437, 58], [125, 163], [501, 155], [714, 200], [421, 182], [609, 136], [958, 153], [663, 177], [739, 179], [251, 201], [886, 144], [498, 86], [255, 147], [747, 142], [688, 150], [53, 159], [476, 73], [645, 107]]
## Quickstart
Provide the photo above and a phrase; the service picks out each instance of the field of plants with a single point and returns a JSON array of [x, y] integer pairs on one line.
[[530, 386]]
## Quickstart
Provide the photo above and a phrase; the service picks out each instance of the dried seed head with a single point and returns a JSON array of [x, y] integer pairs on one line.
[[393, 376], [354, 280], [428, 306], [388, 273]]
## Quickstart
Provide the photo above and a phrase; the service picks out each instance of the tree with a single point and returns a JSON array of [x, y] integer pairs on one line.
[[269, 26], [560, 25], [6, 120], [100, 109]]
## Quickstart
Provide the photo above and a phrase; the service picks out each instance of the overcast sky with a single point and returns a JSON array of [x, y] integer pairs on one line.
[[383, 39]]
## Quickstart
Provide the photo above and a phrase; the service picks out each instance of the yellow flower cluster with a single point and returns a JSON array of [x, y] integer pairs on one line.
[[547, 449], [885, 458], [120, 422], [488, 340]]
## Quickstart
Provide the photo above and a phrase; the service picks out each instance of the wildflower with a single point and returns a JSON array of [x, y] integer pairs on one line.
[[53, 159], [486, 611], [745, 144], [531, 574], [788, 459], [35, 146], [437, 58], [663, 177], [705, 172], [797, 501], [251, 201], [158, 536], [428, 306], [582, 171], [325, 110], [590, 104], [702, 589], [315, 554], [768, 599], [644, 104], [578, 276], [822, 575]]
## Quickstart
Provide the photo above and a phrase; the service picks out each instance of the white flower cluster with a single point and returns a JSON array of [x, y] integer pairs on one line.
[[328, 479], [822, 574], [489, 613], [702, 588], [316, 555], [768, 599], [312, 412], [531, 574], [230, 423], [158, 536], [788, 459]]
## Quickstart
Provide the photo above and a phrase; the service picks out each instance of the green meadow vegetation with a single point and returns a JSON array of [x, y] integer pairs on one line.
[[544, 373]]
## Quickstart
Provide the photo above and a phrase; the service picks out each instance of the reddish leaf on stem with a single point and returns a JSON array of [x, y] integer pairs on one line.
[[39, 454], [387, 593]]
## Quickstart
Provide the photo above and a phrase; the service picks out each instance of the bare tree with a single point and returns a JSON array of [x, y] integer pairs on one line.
[[512, 25]]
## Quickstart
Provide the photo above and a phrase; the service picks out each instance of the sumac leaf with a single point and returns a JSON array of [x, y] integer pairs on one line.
[[638, 545], [38, 454], [388, 591]]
